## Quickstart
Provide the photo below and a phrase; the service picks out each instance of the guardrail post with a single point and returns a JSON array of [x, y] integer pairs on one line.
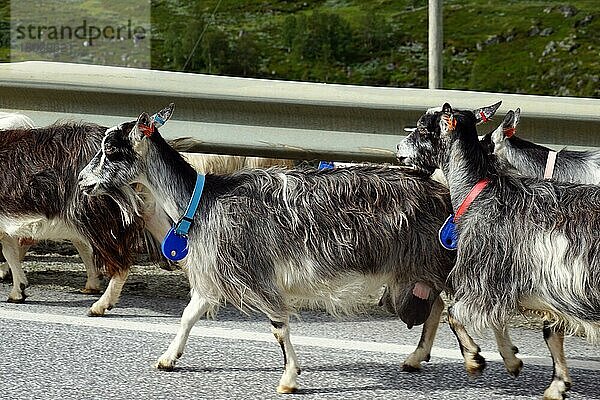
[[436, 39]]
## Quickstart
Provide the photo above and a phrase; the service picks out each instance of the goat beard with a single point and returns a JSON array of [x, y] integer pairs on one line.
[[130, 204]]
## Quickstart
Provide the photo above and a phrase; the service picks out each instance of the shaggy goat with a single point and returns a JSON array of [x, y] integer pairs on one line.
[[536, 161], [523, 244], [92, 285], [23, 151], [264, 239], [40, 199]]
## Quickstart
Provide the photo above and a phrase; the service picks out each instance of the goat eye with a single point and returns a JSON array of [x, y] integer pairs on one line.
[[110, 152]]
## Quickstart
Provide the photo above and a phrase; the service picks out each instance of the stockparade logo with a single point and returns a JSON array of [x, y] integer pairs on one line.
[[93, 32]]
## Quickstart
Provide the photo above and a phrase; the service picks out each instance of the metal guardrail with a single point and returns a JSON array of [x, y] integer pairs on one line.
[[273, 118]]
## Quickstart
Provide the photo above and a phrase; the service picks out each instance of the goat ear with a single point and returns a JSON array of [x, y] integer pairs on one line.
[[509, 125], [447, 121], [163, 115], [484, 114], [505, 129], [143, 127], [446, 108]]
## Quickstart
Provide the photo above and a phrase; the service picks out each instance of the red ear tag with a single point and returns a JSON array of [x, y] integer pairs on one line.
[[509, 132], [451, 121], [146, 130]]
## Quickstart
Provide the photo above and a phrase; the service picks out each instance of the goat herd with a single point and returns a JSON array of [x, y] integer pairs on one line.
[[513, 230]]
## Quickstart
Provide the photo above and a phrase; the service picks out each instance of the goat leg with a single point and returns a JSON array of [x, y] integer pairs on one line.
[[92, 284], [197, 307], [474, 361], [111, 295], [423, 350], [508, 351], [13, 253], [561, 381], [288, 382]]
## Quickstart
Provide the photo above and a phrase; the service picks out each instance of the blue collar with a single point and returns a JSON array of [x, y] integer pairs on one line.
[[185, 222]]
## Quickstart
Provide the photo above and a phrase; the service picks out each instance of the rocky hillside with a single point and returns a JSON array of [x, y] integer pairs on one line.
[[534, 47]]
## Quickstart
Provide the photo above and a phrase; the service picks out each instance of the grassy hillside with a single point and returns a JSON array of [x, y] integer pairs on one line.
[[535, 47]]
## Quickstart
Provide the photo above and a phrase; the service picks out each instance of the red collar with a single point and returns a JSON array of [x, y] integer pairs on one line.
[[475, 190]]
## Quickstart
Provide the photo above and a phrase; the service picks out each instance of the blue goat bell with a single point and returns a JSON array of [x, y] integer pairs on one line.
[[448, 235], [174, 246]]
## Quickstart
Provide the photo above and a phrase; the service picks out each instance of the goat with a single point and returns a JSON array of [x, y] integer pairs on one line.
[[532, 160], [92, 285], [40, 199], [413, 309], [524, 244], [265, 239], [536, 161]]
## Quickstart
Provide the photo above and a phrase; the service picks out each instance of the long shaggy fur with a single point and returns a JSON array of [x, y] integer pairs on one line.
[[362, 221], [265, 239], [524, 243], [39, 183]]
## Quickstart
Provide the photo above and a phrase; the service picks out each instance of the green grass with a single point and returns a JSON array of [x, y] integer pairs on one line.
[[513, 64], [487, 45]]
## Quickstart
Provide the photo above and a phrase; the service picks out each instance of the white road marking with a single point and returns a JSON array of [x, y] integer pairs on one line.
[[238, 334]]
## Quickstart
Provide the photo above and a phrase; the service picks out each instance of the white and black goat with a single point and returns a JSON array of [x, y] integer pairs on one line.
[[264, 239], [413, 308], [20, 246], [524, 245], [536, 161], [40, 199], [77, 143]]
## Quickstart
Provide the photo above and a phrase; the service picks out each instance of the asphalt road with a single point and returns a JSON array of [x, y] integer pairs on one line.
[[52, 350]]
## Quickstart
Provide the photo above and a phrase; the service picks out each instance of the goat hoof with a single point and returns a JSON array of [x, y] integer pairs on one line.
[[89, 291], [475, 366], [20, 300], [165, 365], [555, 396], [95, 313], [410, 368], [514, 372], [282, 389], [557, 390]]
